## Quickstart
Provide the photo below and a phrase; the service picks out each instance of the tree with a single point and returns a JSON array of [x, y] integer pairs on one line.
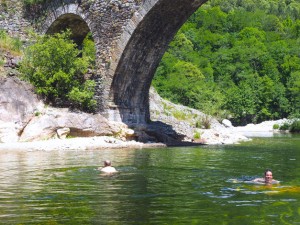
[[54, 67], [247, 50], [293, 87], [241, 101]]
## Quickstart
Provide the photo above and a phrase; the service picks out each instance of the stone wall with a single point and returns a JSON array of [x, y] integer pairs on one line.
[[12, 20]]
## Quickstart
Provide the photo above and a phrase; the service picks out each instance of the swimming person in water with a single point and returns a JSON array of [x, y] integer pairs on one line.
[[107, 167], [267, 179]]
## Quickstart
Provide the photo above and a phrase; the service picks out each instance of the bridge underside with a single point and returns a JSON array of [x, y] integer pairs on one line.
[[132, 79], [75, 23]]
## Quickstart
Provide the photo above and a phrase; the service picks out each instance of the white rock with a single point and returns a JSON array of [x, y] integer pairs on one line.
[[227, 123]]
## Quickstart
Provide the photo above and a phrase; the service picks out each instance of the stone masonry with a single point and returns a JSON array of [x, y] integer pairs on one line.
[[130, 36]]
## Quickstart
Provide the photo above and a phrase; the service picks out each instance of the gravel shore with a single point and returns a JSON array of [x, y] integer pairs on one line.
[[86, 143]]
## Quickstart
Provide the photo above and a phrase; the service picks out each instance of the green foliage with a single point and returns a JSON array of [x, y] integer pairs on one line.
[[295, 126], [285, 126], [33, 2], [276, 126], [180, 115], [1, 62], [84, 98], [89, 50], [203, 122], [52, 65], [293, 90], [238, 57], [292, 125], [198, 124], [37, 113], [7, 43], [197, 135], [206, 121]]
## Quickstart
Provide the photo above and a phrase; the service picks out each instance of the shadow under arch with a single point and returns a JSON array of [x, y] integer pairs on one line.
[[78, 27]]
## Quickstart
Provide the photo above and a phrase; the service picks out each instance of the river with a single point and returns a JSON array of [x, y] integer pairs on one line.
[[179, 185]]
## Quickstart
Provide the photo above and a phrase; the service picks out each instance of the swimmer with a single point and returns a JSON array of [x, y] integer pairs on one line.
[[267, 179], [107, 167]]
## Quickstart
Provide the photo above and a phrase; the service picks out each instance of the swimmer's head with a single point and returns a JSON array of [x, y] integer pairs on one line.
[[268, 176], [107, 163]]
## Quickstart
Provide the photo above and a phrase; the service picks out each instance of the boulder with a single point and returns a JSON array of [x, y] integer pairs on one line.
[[227, 123], [50, 124]]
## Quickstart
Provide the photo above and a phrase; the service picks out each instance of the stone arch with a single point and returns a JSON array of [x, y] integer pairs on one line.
[[68, 16], [138, 53]]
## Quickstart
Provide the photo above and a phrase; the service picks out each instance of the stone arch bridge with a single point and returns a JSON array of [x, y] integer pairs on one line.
[[130, 36]]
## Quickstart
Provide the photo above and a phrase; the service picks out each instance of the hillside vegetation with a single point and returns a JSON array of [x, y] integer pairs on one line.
[[236, 59]]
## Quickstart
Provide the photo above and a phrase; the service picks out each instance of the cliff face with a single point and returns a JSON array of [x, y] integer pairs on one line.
[[17, 106]]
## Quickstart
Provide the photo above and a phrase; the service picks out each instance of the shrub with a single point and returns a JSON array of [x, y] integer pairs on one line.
[[275, 126], [7, 43], [198, 124], [285, 126], [197, 135], [52, 65], [83, 99], [89, 50], [295, 126], [206, 121]]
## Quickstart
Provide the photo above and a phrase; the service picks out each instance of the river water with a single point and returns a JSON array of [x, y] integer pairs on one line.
[[181, 185]]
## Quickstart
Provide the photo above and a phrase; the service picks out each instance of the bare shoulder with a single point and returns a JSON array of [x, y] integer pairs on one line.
[[108, 169]]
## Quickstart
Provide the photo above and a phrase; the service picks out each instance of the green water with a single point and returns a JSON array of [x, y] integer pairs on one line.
[[186, 185]]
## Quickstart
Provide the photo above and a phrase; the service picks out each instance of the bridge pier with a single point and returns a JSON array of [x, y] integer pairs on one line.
[[126, 115]]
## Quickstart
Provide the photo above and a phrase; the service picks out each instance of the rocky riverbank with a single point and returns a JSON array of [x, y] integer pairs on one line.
[[27, 123], [230, 135]]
